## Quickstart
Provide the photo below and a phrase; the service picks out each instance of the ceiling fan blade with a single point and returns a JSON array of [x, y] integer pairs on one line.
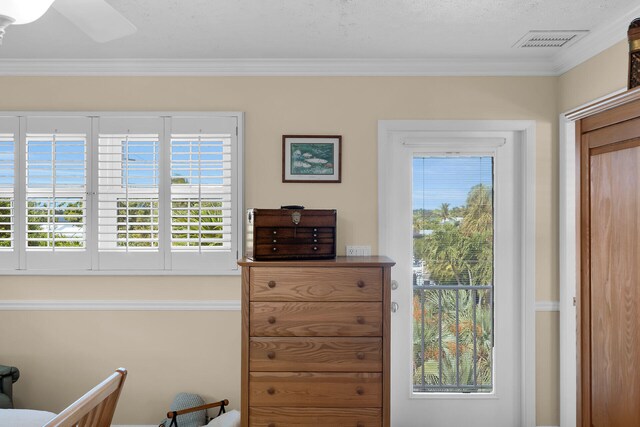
[[97, 18]]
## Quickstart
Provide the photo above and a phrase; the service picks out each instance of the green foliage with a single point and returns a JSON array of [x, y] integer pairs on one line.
[[196, 217], [137, 223], [456, 250], [5, 223], [54, 214]]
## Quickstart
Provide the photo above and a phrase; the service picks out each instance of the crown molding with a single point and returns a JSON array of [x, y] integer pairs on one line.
[[598, 40], [119, 305], [277, 67]]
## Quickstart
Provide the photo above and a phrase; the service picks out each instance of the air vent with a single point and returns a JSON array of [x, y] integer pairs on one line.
[[549, 39]]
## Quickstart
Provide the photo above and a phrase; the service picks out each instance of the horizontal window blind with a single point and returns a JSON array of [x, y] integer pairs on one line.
[[128, 192], [56, 186], [7, 191], [200, 192]]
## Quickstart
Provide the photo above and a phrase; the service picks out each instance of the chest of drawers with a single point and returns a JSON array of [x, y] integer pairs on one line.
[[315, 342]]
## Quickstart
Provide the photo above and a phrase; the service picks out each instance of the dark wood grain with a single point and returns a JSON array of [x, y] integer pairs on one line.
[[354, 354], [316, 284], [309, 319], [614, 134], [315, 389]]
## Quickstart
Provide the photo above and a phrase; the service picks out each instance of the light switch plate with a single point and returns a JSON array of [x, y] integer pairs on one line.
[[362, 250]]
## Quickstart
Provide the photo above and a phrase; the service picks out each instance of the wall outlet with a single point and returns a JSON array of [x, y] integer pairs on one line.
[[358, 250]]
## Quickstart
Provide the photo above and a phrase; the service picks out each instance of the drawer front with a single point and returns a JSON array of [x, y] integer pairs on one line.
[[308, 417], [294, 235], [323, 390], [315, 284], [278, 250], [308, 319], [316, 354]]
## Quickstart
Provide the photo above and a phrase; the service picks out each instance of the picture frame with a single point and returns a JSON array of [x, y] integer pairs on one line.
[[312, 158]]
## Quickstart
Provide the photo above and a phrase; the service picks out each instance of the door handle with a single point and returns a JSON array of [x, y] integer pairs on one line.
[[394, 307]]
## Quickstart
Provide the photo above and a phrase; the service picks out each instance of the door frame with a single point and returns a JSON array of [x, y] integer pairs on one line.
[[569, 260], [525, 134]]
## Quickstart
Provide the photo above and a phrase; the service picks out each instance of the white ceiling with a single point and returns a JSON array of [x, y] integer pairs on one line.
[[418, 36]]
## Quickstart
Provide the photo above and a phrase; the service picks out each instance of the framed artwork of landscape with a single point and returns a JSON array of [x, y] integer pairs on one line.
[[311, 158]]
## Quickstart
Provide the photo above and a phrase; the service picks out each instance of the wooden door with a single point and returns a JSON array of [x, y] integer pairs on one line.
[[609, 296]]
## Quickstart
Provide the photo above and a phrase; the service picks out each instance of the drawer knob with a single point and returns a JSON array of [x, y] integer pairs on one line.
[[271, 390], [360, 391], [360, 284], [271, 355], [360, 355], [271, 284], [275, 241], [271, 319], [315, 248], [359, 319], [275, 249], [275, 232]]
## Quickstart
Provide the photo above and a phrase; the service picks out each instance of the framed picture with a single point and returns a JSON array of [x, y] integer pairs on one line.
[[311, 158]]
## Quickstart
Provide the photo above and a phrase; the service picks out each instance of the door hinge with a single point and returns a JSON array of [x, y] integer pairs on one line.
[[236, 130], [574, 301]]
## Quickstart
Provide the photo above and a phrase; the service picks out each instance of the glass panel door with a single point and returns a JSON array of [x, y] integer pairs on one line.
[[452, 307]]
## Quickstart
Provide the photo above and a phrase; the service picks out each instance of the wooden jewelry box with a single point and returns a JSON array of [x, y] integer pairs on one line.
[[289, 234]]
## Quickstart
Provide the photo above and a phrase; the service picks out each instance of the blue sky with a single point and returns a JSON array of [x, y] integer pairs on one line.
[[438, 180]]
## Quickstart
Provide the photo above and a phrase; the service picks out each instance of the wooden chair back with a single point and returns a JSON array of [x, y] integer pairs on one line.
[[96, 407]]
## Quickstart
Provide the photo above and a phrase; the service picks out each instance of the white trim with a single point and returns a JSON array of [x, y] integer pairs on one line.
[[542, 306], [119, 305], [601, 38], [568, 262], [596, 41], [388, 130], [278, 67]]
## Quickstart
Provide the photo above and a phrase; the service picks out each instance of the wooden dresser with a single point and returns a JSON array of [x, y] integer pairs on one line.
[[315, 342]]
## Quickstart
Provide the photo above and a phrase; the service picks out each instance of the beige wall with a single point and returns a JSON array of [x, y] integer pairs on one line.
[[599, 76], [62, 353]]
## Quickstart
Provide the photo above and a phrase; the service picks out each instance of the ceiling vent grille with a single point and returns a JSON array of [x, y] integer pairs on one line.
[[549, 39]]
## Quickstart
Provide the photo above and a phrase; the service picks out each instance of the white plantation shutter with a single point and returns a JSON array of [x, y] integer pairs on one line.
[[138, 192], [129, 193], [202, 151], [56, 192], [8, 143]]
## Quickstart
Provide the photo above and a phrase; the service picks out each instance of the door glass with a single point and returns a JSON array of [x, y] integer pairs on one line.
[[453, 264]]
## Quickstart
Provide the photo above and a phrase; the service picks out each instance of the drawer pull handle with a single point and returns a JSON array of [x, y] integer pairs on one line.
[[360, 391], [274, 425], [315, 248], [275, 249], [271, 390], [271, 284], [359, 319], [360, 424], [360, 284], [275, 241], [271, 319], [271, 355], [275, 232], [360, 355]]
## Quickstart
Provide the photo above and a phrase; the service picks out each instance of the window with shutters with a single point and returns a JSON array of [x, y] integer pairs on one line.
[[134, 192], [7, 195]]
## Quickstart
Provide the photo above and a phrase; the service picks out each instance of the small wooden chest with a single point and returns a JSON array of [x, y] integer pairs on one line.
[[283, 234]]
